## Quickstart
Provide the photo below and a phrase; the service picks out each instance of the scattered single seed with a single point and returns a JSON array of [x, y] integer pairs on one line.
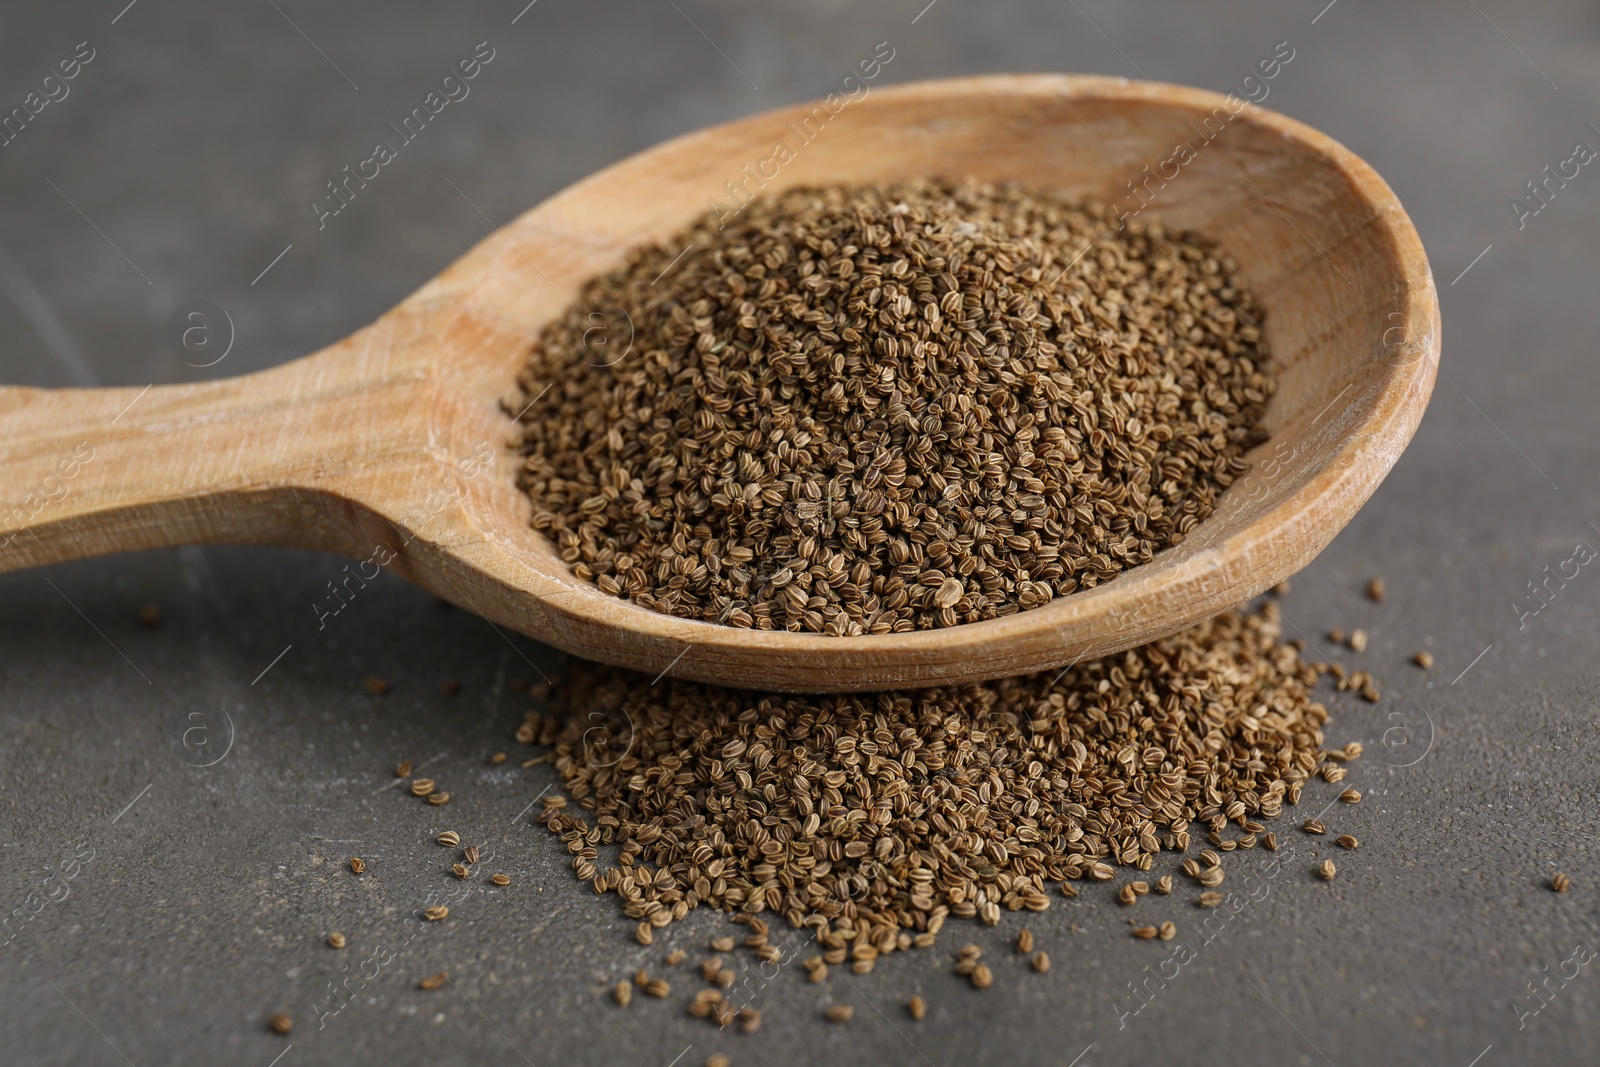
[[1126, 895], [818, 974], [1168, 931], [1346, 841], [497, 759], [1313, 826], [438, 798], [981, 976], [676, 956], [1210, 858], [644, 933], [1375, 591], [718, 1059], [434, 981], [1560, 882], [471, 853], [839, 1013], [1369, 693], [1423, 660], [641, 977], [435, 913], [450, 839], [1336, 635], [1270, 841], [460, 870], [1146, 933], [358, 865], [623, 993], [377, 686], [1041, 962], [658, 987], [1358, 640], [1024, 941], [403, 769], [336, 940], [501, 880], [749, 1019], [1211, 877], [281, 1023], [1327, 870], [917, 1008], [1164, 884], [1210, 900], [723, 944], [422, 787], [1350, 796]]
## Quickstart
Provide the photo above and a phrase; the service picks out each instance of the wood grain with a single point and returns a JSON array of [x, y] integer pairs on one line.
[[395, 440]]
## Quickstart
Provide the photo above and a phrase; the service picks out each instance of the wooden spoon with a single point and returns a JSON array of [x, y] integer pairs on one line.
[[390, 447]]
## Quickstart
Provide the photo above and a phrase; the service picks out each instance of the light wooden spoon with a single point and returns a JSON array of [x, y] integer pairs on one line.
[[390, 447]]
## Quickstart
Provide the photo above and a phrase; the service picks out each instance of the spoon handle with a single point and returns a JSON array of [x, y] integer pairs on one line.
[[86, 472]]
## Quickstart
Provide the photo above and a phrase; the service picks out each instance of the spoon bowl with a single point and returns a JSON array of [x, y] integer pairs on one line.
[[394, 446]]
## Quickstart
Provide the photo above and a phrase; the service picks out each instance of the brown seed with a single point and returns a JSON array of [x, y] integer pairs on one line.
[[1423, 660], [657, 987], [358, 865], [435, 913], [1210, 900], [1358, 640], [377, 686], [281, 1023], [1350, 796], [738, 474], [403, 769], [501, 880], [460, 870], [1126, 895], [1210, 858], [470, 853], [981, 976], [1168, 931], [1211, 877], [818, 974], [675, 957], [1560, 882], [434, 981], [1375, 590], [1270, 840], [1164, 884], [623, 993], [1336, 636], [438, 798], [1146, 933], [641, 977], [718, 1059], [1327, 870], [644, 933], [336, 940], [449, 839], [1346, 841], [724, 944], [839, 1013], [1333, 773], [422, 787], [749, 1020], [1313, 826], [916, 1008], [1024, 941], [1041, 962], [497, 759]]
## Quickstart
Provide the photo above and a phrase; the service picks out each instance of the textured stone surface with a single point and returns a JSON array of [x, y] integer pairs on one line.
[[195, 139]]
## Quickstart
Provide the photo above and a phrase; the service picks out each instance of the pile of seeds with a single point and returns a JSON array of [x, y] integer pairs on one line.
[[870, 818], [871, 411]]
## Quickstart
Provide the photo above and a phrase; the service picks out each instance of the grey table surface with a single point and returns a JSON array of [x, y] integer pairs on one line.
[[157, 909]]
